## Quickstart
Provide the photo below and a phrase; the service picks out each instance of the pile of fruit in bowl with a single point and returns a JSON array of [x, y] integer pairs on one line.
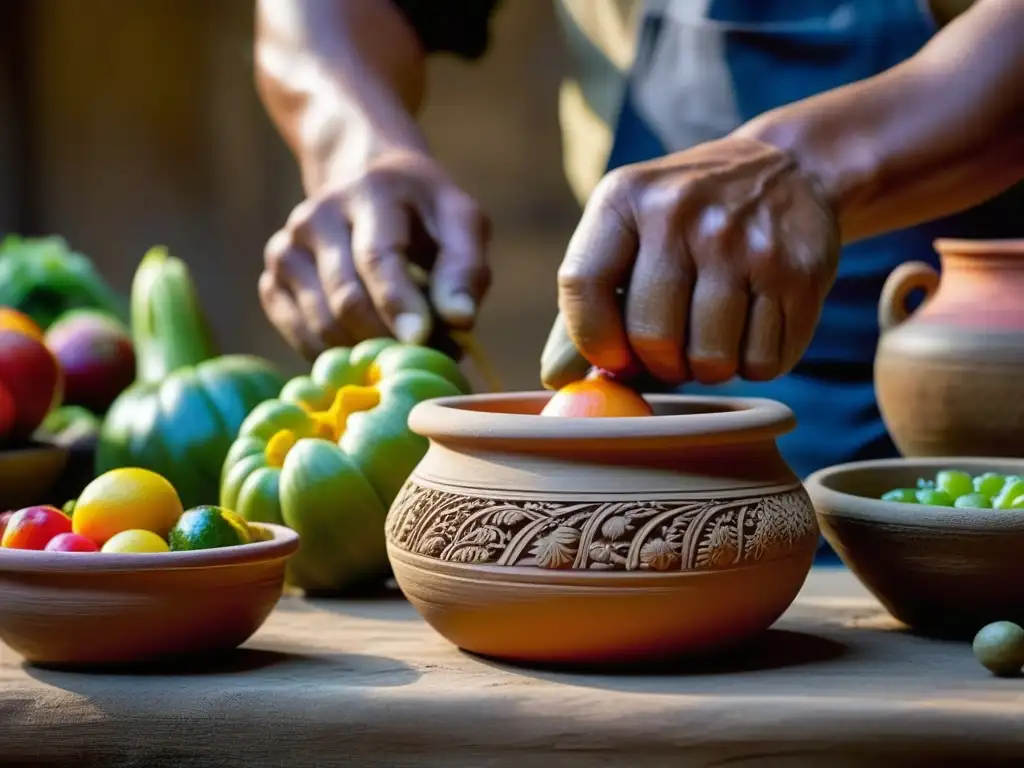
[[127, 510], [956, 488], [95, 583]]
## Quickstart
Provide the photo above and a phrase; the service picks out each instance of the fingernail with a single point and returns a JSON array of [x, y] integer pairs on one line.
[[456, 306], [411, 328]]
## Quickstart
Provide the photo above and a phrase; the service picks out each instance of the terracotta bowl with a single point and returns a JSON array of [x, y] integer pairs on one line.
[[75, 609], [940, 570], [28, 474], [616, 540]]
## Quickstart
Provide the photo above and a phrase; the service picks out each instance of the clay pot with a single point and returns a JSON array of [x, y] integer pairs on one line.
[[948, 377], [578, 541]]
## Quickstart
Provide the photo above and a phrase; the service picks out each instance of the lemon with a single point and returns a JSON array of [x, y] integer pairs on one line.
[[208, 527], [245, 532], [135, 541], [126, 499]]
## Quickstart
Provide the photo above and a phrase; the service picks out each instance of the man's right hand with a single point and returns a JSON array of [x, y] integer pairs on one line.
[[338, 271]]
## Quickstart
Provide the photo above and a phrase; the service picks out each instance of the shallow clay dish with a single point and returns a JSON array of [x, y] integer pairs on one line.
[[566, 540], [940, 570], [28, 474], [75, 609], [948, 376]]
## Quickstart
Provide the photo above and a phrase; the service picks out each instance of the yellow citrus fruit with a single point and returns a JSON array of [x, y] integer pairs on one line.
[[135, 541], [126, 499]]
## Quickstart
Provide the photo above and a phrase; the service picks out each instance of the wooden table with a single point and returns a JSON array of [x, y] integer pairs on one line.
[[835, 683]]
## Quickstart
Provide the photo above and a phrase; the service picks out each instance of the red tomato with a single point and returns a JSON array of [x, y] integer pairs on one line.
[[4, 517], [71, 542], [33, 527]]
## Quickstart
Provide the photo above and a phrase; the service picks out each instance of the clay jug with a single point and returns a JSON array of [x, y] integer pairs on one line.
[[950, 375]]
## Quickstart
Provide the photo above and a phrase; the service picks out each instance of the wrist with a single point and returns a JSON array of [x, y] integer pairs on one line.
[[340, 148], [842, 166]]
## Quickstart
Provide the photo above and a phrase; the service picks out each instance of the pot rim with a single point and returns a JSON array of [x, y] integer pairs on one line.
[[737, 419], [284, 544], [829, 502], [956, 246]]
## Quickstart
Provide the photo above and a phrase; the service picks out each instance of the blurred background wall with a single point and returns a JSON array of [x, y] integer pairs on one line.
[[126, 124]]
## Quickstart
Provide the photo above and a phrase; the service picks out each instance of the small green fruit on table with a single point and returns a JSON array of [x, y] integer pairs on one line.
[[329, 456]]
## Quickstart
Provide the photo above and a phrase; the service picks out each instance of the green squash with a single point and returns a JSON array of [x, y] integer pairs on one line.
[[328, 457], [182, 413]]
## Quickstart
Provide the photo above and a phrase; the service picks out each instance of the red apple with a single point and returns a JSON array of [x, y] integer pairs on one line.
[[71, 542], [96, 355], [33, 527], [32, 377], [7, 413]]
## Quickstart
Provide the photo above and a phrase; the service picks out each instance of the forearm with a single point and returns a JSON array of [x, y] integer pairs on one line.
[[937, 134], [341, 79]]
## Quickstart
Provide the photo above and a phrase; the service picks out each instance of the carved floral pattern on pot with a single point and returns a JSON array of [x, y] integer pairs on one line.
[[665, 535]]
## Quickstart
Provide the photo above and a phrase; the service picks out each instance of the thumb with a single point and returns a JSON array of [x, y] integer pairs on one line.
[[560, 362]]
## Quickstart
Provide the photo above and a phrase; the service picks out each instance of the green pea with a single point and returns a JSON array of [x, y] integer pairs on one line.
[[901, 495], [1018, 503], [973, 501], [999, 647], [934, 498], [990, 483], [954, 482]]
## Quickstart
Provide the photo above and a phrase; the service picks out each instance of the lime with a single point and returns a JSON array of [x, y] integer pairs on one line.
[[245, 533], [135, 541], [1018, 503], [999, 647], [207, 527], [902, 495]]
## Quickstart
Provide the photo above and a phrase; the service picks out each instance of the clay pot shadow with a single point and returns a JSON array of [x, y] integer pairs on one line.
[[774, 649], [361, 669]]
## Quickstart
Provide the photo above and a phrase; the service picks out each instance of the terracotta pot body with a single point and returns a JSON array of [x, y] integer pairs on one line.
[[581, 541], [948, 378]]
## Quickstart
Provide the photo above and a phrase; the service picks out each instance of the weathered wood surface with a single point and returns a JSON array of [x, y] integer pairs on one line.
[[835, 682]]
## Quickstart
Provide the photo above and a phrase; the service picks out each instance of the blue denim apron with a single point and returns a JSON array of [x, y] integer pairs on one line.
[[704, 67]]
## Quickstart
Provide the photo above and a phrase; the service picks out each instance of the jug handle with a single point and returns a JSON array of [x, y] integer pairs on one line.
[[908, 277]]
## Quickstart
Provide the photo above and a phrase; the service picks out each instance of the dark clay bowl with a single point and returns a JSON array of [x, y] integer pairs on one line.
[[940, 570]]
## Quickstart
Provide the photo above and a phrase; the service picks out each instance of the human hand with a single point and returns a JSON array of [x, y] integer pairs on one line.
[[700, 266], [339, 271]]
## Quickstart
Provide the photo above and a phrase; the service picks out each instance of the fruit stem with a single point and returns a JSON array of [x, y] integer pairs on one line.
[[169, 329]]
